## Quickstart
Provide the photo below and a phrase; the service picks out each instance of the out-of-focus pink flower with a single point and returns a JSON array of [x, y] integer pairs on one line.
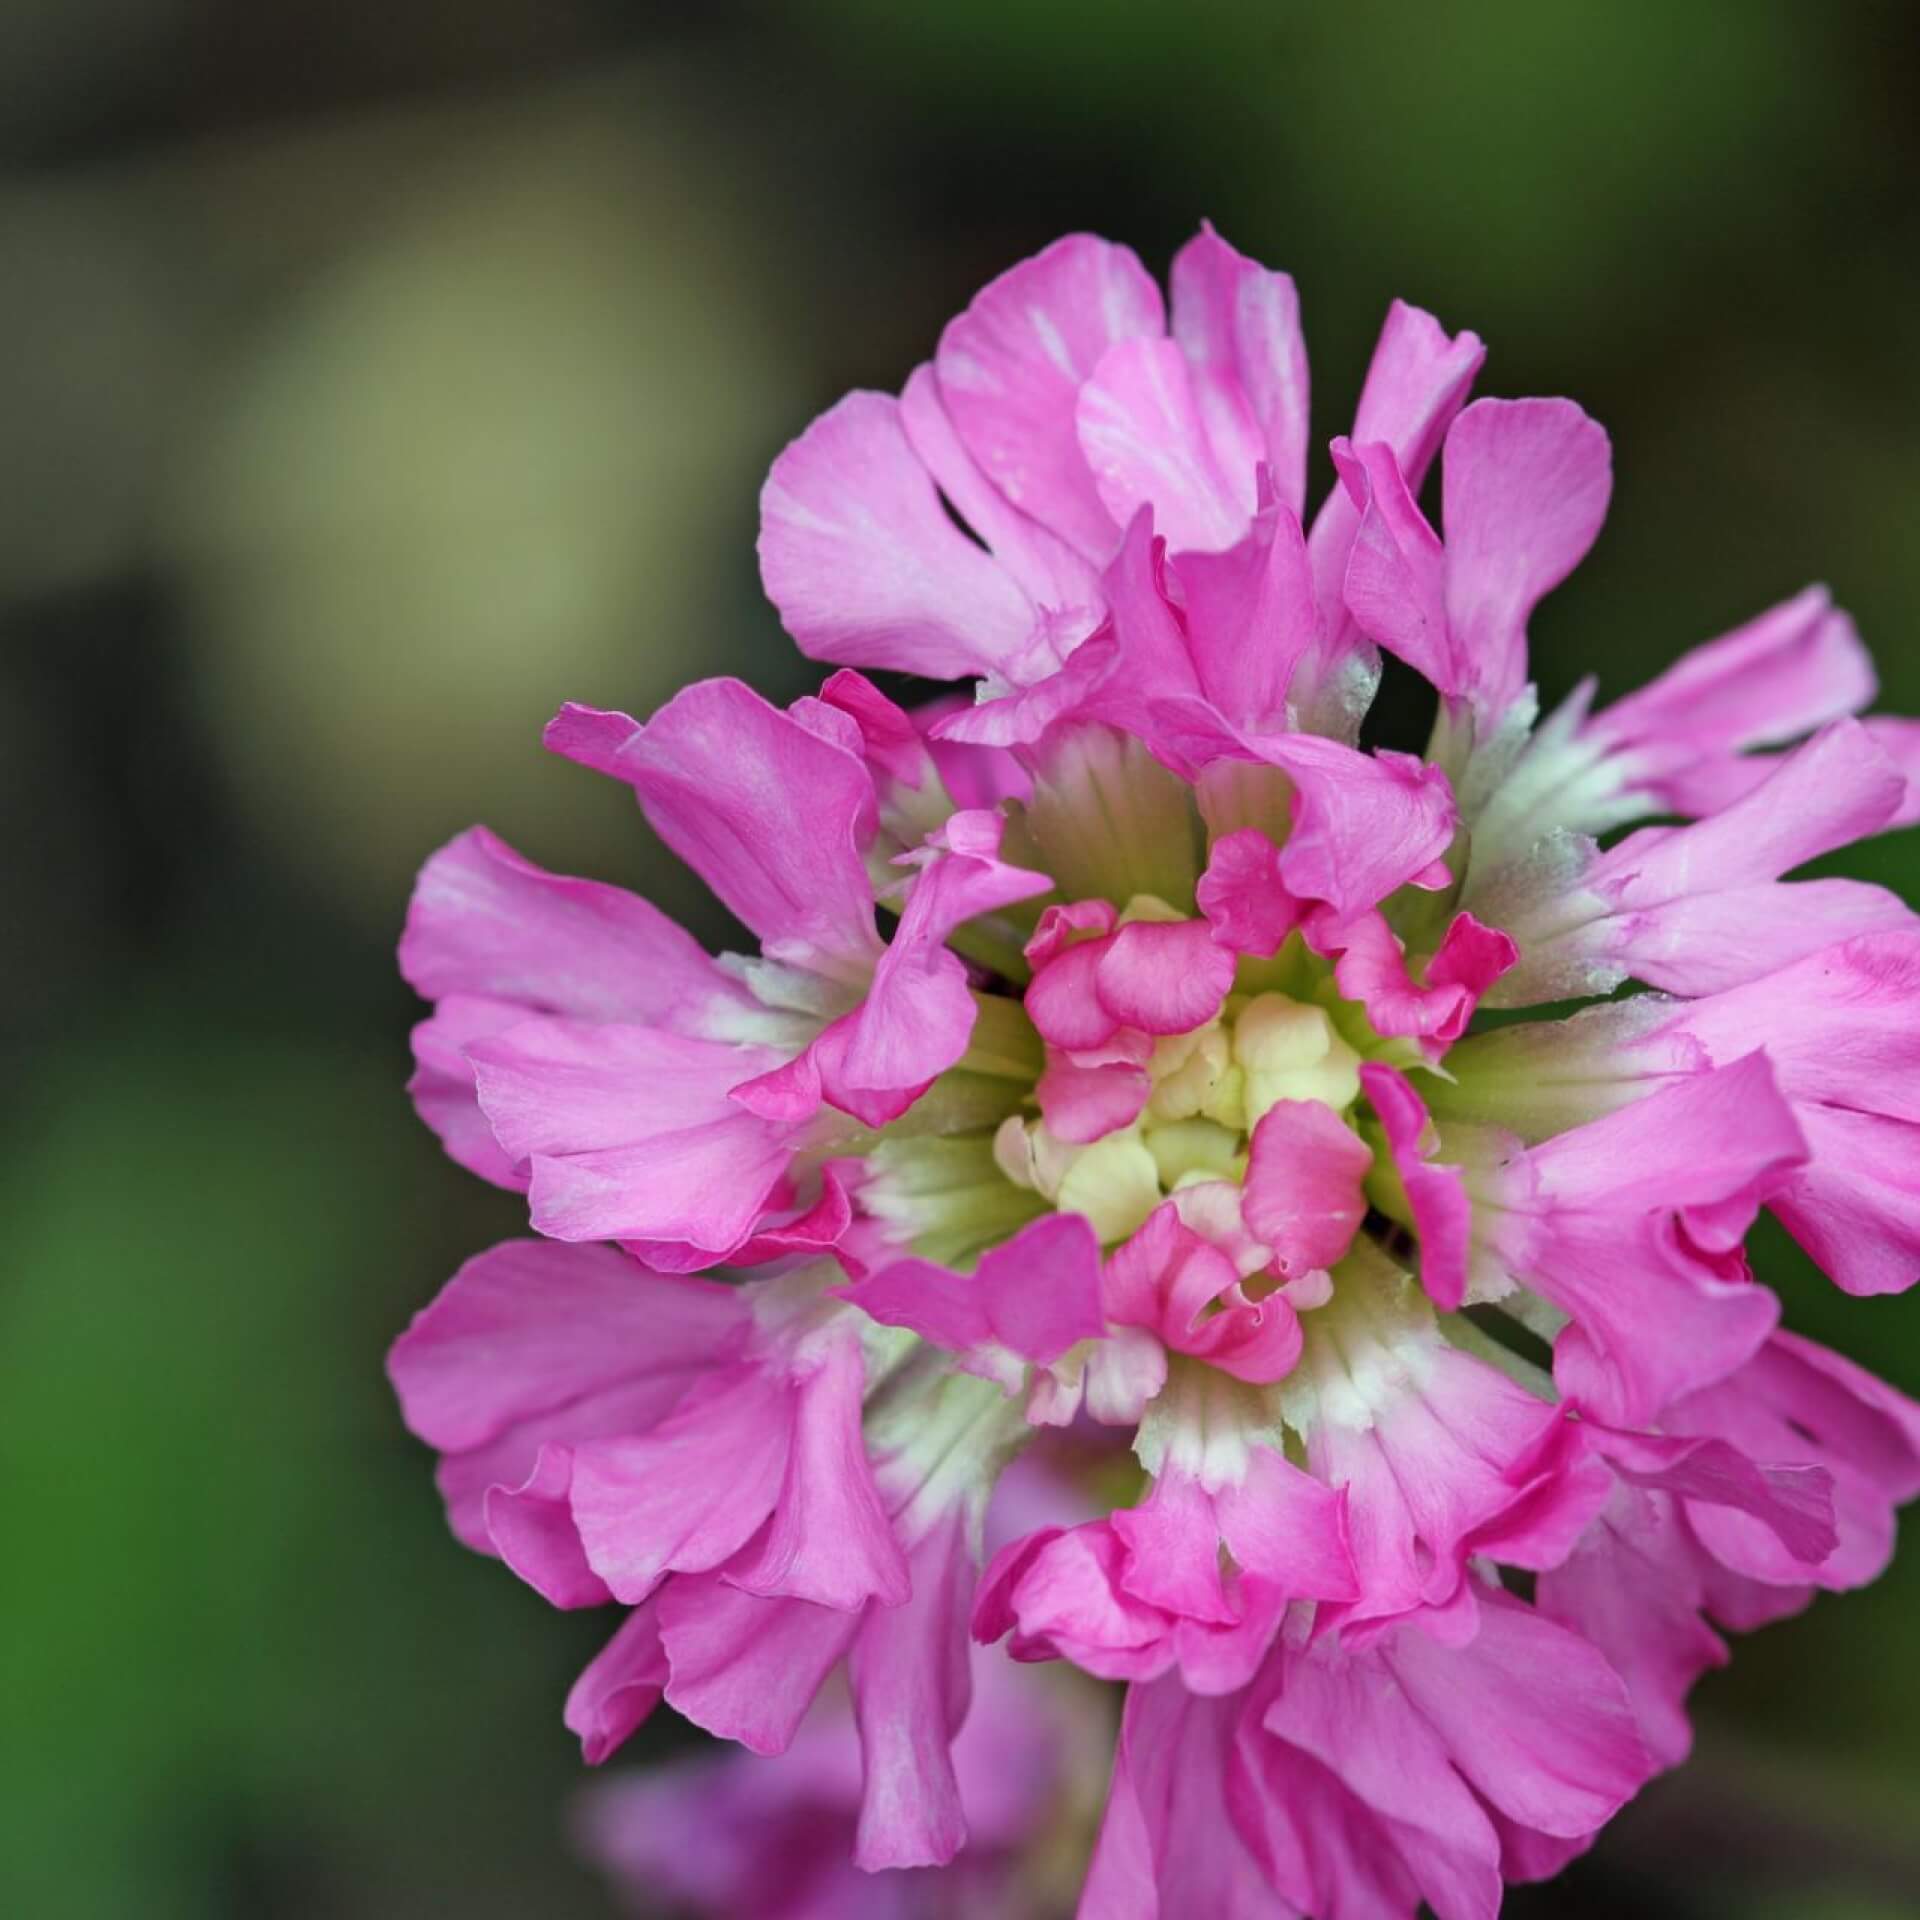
[[1110, 1062]]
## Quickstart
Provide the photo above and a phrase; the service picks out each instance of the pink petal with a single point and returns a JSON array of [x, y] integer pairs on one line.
[[1059, 582], [1532, 1716], [1364, 823], [745, 1668], [1239, 326], [1246, 904], [911, 1689], [1526, 488], [1303, 1186], [1063, 1000], [629, 1132], [1163, 977], [1899, 740], [1826, 794], [771, 815], [620, 1687], [1011, 368], [484, 921], [1251, 618], [533, 1324], [691, 1493], [1437, 1195], [1140, 430], [531, 1528], [866, 568], [1084, 1104], [442, 1088], [1855, 1205], [1791, 670], [1371, 967], [1289, 1528], [1172, 1546], [1396, 579], [829, 1540]]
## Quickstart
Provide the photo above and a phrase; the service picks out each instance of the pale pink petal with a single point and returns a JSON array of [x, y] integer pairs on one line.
[[483, 921], [745, 1668], [620, 1687], [629, 1132], [1010, 370], [770, 814], [533, 1324], [1163, 976], [1239, 326], [1304, 1195], [909, 1671], [1140, 429], [1798, 1403], [1526, 487], [864, 565], [829, 1539]]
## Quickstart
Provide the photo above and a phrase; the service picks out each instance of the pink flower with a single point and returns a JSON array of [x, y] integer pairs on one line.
[[1160, 1111]]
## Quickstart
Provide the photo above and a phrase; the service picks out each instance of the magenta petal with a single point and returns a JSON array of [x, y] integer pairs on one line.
[[1010, 370], [911, 1687], [1238, 324], [1303, 1192], [1042, 1288], [866, 568], [1526, 488], [620, 1687], [745, 1668], [1164, 977], [1140, 429], [1064, 1003], [769, 813]]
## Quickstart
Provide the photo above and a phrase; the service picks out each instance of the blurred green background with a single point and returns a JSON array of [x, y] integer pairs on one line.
[[376, 374]]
